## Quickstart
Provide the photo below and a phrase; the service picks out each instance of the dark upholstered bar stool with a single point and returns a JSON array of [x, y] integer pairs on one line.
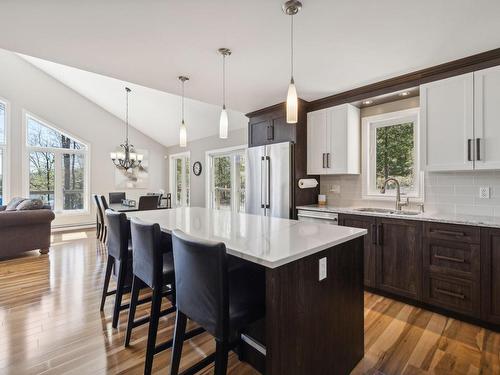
[[220, 301], [116, 197], [119, 256], [99, 217], [152, 267], [104, 206]]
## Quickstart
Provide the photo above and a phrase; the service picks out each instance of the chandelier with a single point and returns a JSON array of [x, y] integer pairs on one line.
[[126, 158]]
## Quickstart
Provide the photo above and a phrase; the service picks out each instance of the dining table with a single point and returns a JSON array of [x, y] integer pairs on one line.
[[314, 321], [119, 207]]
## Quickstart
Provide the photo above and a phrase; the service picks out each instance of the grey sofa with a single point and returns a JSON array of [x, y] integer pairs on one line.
[[24, 230]]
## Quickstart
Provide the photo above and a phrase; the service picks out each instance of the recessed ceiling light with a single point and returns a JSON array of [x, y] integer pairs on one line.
[[404, 93], [367, 102]]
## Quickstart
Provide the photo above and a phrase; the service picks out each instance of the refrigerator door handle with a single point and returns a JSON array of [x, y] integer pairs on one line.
[[268, 182], [262, 166]]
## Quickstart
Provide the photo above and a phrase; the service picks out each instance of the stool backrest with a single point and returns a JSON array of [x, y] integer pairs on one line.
[[147, 254], [148, 202], [116, 197], [118, 234], [201, 282], [100, 212], [103, 203]]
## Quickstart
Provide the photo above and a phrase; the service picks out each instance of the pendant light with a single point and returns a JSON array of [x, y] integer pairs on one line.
[[291, 8], [126, 157], [224, 122], [182, 129]]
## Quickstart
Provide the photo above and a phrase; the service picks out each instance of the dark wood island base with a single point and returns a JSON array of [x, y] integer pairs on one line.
[[311, 326]]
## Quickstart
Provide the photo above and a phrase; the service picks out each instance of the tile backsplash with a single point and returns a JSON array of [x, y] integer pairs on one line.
[[445, 192]]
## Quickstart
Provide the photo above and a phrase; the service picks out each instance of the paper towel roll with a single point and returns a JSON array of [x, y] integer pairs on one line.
[[307, 183]]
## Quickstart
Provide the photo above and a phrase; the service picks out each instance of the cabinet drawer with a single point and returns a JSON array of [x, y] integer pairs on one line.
[[453, 294], [452, 232], [452, 257]]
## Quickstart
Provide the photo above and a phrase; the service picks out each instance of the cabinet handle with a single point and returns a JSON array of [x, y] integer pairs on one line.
[[478, 148], [448, 233], [448, 293], [450, 259], [469, 152], [374, 234], [324, 160], [328, 160], [380, 236]]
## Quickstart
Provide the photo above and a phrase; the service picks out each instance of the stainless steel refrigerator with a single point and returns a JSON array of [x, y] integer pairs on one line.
[[269, 176]]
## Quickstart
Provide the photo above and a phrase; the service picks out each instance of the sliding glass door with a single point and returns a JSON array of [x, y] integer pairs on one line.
[[179, 179]]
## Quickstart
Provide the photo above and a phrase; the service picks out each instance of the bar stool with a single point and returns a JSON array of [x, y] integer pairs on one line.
[[153, 267], [103, 206], [221, 302]]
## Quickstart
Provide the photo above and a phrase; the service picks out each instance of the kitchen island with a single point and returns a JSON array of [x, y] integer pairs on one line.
[[314, 286]]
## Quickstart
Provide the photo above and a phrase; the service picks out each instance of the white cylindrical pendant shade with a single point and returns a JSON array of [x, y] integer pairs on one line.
[[292, 104], [223, 124], [183, 135]]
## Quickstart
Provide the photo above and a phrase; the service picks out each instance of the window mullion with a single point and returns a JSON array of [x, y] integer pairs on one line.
[[58, 186]]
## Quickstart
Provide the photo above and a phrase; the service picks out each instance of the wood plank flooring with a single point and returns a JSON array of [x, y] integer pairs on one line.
[[50, 324]]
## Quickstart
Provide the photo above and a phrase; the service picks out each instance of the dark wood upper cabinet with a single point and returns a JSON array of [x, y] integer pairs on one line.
[[490, 275], [370, 243], [399, 257]]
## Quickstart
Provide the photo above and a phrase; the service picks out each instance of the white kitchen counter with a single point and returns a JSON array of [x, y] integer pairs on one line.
[[473, 220], [269, 241]]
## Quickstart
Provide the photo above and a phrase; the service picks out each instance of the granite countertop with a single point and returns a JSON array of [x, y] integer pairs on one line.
[[265, 240], [474, 220]]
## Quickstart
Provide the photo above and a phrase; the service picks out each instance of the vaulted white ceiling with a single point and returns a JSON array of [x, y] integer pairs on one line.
[[340, 44], [153, 112]]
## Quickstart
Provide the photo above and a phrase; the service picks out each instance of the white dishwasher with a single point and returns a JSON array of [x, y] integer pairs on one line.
[[318, 217]]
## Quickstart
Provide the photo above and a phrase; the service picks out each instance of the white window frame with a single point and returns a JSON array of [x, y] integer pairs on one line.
[[172, 177], [58, 152], [369, 125], [209, 183], [6, 153]]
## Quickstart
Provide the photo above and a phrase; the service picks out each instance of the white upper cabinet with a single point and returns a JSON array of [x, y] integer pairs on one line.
[[447, 110], [487, 118], [333, 140]]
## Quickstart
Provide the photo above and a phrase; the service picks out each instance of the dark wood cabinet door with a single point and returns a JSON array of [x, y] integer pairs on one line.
[[370, 241], [399, 257], [283, 132], [490, 275], [260, 133]]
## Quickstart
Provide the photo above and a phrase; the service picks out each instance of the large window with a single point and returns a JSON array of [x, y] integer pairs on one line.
[[3, 151], [57, 167], [226, 179], [179, 179], [391, 151]]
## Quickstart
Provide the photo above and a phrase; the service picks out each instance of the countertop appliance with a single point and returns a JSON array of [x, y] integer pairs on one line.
[[269, 176], [319, 216]]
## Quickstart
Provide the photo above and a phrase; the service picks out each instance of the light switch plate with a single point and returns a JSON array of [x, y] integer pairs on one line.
[[335, 189], [322, 269], [484, 192]]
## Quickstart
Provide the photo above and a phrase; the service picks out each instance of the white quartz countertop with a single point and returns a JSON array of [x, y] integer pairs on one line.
[[269, 241], [473, 220]]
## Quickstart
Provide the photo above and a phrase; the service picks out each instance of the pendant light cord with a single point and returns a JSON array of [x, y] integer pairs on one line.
[[291, 47], [182, 101], [126, 135], [223, 81]]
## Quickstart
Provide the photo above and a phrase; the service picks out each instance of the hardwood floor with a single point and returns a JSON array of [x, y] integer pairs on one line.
[[50, 324]]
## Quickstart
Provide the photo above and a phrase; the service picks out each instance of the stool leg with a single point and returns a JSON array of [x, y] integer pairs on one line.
[[134, 297], [180, 331], [109, 267], [220, 358], [153, 329], [119, 291]]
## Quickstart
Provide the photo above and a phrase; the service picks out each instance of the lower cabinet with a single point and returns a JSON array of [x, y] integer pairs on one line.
[[490, 275]]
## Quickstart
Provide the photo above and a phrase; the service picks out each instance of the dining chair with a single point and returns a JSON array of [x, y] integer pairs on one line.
[[221, 302], [116, 197], [104, 206], [98, 217], [148, 202]]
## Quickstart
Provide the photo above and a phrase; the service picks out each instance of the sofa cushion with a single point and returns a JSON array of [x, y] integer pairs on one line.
[[12, 205], [30, 204]]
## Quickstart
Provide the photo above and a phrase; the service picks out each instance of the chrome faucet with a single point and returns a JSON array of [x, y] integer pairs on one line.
[[399, 204]]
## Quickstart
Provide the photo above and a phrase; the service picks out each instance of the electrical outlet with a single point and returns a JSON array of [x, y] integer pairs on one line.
[[484, 192], [322, 269], [335, 189]]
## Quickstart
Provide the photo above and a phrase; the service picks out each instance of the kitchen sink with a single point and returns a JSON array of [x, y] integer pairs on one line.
[[387, 211]]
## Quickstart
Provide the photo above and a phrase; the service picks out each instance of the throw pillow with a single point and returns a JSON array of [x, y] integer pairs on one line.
[[12, 205], [30, 204]]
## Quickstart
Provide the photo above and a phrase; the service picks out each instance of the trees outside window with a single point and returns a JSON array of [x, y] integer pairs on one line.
[[391, 149], [57, 167], [179, 179]]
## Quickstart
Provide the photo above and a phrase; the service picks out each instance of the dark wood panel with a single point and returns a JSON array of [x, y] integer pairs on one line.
[[490, 275], [399, 257], [452, 293], [370, 243], [468, 64], [258, 132], [452, 232], [330, 340]]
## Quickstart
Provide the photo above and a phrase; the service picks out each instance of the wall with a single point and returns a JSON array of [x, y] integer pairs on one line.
[[198, 150], [444, 192], [27, 88]]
